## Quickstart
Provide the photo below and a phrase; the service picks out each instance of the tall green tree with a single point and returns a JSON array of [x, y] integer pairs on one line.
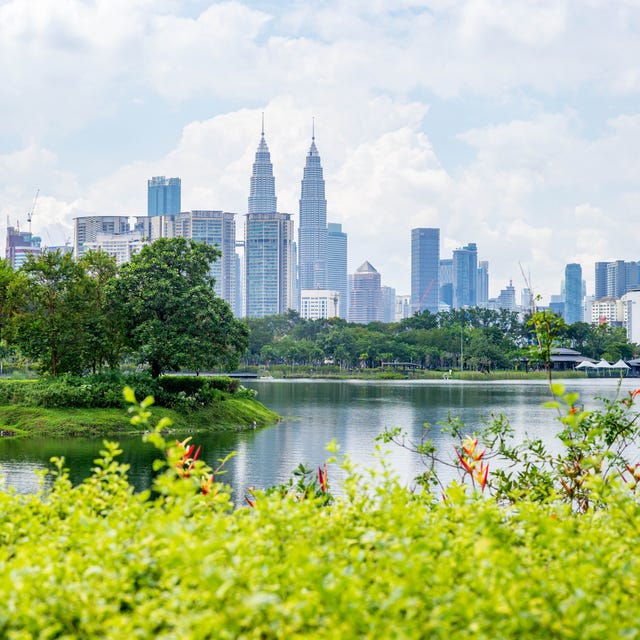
[[171, 317], [48, 318], [102, 335]]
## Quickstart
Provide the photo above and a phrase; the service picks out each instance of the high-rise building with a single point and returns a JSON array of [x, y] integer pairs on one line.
[[269, 265], [483, 283], [425, 266], [622, 277], [601, 280], [87, 228], [365, 299], [163, 196], [446, 281], [20, 245], [507, 298], [573, 293], [388, 304], [268, 251], [403, 307], [337, 264], [312, 229], [122, 246], [465, 276]]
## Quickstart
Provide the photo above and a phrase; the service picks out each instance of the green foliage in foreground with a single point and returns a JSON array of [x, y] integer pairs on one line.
[[97, 560]]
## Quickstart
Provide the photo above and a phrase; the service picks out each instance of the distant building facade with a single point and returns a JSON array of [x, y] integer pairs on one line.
[[87, 228], [425, 266], [312, 228], [215, 228], [388, 304], [337, 279], [573, 293], [403, 307], [319, 303], [121, 246], [483, 283], [446, 282], [465, 276], [164, 196], [20, 245], [614, 279], [365, 299], [270, 273]]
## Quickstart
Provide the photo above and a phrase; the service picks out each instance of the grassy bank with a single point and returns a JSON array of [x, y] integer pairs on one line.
[[37, 421], [421, 374], [90, 407]]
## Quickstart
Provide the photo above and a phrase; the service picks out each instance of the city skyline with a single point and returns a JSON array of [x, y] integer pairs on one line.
[[511, 125]]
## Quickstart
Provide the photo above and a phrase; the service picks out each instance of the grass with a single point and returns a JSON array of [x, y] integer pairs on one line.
[[17, 420]]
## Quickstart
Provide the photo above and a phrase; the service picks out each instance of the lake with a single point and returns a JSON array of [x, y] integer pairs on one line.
[[315, 412]]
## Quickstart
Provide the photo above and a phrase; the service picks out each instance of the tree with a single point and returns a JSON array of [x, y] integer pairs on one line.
[[171, 317], [101, 331], [48, 316]]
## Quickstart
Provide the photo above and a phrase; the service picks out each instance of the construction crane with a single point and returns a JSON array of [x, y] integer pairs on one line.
[[425, 294], [33, 208]]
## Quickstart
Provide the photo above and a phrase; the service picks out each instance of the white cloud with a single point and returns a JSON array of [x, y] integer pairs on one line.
[[543, 173]]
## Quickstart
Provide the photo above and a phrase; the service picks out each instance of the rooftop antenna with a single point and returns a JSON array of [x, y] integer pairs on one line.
[[313, 127], [263, 124]]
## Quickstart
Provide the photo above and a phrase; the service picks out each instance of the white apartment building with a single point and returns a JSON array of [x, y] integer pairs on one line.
[[609, 310], [319, 303]]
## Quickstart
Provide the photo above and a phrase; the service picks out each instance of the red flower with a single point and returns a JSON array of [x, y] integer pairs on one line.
[[322, 478]]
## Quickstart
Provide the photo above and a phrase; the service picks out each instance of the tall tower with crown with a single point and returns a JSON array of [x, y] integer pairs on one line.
[[268, 237], [312, 231]]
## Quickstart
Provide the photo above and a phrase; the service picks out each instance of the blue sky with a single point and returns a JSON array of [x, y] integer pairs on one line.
[[512, 124]]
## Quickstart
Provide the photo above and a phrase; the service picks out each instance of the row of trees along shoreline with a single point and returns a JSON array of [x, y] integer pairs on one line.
[[160, 311]]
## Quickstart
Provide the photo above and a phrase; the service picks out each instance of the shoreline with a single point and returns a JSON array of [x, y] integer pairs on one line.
[[231, 414]]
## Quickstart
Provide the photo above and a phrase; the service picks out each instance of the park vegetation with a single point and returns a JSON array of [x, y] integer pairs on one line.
[[471, 339], [90, 328], [159, 311], [542, 549]]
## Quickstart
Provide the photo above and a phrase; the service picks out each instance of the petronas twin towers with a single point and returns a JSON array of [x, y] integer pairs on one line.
[[272, 283]]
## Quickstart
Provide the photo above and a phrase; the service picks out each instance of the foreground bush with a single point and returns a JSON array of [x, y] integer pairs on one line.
[[97, 560]]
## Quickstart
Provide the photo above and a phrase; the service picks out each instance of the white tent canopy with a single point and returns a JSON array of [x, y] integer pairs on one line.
[[603, 364], [585, 364], [621, 364]]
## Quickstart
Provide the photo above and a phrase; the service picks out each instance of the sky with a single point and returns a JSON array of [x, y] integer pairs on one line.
[[514, 124]]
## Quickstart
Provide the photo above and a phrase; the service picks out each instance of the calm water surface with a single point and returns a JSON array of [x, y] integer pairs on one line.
[[316, 412]]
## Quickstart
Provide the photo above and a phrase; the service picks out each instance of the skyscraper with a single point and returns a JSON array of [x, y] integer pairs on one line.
[[268, 253], [337, 264], [312, 230], [163, 195], [465, 276], [365, 301], [425, 267], [573, 293], [601, 280], [483, 283], [445, 273]]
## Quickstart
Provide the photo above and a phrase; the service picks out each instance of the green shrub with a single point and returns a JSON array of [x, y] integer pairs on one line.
[[98, 561]]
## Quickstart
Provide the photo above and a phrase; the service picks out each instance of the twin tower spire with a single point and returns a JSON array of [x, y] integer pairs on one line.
[[263, 286]]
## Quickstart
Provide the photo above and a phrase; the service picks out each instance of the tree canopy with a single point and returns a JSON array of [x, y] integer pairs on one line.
[[169, 312], [160, 310]]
